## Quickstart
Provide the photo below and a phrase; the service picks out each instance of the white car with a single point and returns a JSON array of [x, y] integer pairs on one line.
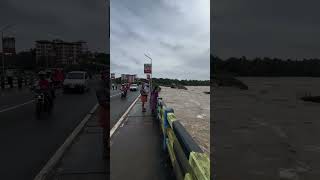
[[76, 80], [133, 87]]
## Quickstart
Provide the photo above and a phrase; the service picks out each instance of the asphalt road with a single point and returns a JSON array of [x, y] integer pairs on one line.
[[120, 105], [27, 143]]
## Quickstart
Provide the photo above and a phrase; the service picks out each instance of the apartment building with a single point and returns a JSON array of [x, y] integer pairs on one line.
[[60, 52]]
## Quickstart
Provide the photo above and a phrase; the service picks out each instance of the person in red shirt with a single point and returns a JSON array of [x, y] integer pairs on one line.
[[43, 83], [103, 96], [45, 86]]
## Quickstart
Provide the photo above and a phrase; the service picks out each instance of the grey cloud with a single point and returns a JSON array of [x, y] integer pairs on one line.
[[173, 47], [285, 29], [174, 38], [68, 19]]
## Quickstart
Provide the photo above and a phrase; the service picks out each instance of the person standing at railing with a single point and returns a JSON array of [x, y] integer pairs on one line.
[[153, 99], [144, 95]]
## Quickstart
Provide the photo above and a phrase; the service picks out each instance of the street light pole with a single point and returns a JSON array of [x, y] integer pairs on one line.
[[2, 29], [151, 71]]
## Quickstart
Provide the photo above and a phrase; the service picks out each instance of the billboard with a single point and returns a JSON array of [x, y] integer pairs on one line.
[[147, 68], [113, 75]]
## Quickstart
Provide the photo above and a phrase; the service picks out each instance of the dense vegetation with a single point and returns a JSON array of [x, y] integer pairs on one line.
[[265, 67], [168, 82]]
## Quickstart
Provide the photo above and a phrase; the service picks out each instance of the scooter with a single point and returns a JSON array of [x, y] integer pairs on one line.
[[123, 93], [42, 103]]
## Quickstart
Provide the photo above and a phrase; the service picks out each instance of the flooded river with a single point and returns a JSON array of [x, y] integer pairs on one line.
[[267, 132], [192, 108]]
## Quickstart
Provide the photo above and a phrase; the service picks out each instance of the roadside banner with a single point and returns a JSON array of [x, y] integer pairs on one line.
[[147, 68]]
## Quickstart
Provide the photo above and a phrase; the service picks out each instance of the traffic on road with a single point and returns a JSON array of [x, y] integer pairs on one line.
[[38, 118]]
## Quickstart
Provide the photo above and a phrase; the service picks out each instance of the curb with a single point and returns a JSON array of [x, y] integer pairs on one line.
[[42, 175]]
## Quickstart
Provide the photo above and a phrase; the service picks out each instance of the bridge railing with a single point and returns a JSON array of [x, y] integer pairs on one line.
[[188, 160]]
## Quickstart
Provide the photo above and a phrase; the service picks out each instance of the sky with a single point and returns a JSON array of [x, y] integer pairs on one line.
[[174, 33], [273, 28], [69, 20]]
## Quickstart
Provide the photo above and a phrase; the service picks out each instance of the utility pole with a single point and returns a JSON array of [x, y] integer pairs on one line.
[[151, 71], [2, 30]]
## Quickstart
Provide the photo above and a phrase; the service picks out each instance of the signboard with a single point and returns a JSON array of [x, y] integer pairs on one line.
[[147, 68], [113, 75], [148, 76]]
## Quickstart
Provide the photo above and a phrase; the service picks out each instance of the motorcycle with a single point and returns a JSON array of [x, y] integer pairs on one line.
[[123, 93], [42, 102]]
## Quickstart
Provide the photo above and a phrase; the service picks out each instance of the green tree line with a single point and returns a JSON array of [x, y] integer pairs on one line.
[[169, 82], [265, 66]]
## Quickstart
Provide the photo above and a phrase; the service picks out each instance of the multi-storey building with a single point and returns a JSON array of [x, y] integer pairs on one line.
[[130, 78], [60, 52]]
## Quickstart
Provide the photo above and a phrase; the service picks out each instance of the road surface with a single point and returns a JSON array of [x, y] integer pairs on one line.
[[27, 143], [120, 105]]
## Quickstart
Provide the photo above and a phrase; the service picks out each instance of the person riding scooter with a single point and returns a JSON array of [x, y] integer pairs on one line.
[[124, 90], [44, 86]]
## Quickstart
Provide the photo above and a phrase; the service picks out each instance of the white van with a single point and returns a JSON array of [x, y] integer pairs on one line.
[[76, 80]]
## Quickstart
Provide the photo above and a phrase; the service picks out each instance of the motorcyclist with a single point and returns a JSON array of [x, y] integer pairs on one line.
[[49, 76], [44, 86], [124, 89]]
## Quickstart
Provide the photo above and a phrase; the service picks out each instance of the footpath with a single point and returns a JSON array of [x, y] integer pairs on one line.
[[136, 152], [83, 160]]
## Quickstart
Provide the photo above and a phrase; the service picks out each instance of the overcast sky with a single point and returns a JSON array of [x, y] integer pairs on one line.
[[69, 20], [175, 33], [285, 29]]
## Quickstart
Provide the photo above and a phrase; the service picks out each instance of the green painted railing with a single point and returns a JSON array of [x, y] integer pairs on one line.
[[189, 162]]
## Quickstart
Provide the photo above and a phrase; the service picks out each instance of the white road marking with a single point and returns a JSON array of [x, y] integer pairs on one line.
[[16, 106], [116, 126], [20, 105]]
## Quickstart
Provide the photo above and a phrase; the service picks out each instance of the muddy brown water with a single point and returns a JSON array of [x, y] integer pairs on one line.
[[192, 108]]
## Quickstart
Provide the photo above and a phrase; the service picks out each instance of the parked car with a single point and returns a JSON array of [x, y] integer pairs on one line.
[[133, 87], [76, 80]]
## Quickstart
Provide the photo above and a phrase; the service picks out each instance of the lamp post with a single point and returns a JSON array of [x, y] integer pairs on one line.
[[151, 71], [2, 30]]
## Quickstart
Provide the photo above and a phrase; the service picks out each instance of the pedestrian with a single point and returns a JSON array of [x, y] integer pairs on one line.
[[10, 79], [153, 99], [3, 81], [20, 79], [144, 96], [103, 96]]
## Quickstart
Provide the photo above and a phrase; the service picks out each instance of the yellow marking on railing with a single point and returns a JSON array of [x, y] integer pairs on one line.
[[200, 164]]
